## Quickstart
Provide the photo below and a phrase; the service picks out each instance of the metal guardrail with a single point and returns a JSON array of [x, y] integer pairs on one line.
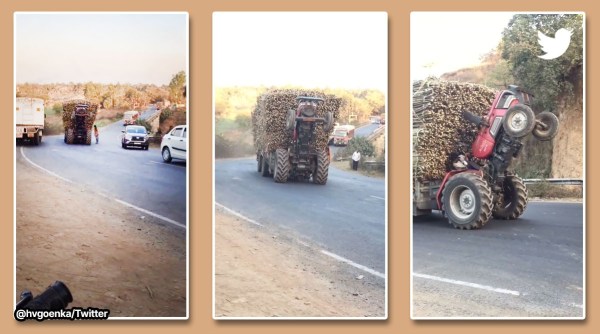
[[567, 182], [376, 132]]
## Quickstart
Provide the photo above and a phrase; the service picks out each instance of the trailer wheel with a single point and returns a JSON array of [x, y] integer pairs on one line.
[[546, 126], [259, 163], [320, 176], [264, 166], [514, 199], [36, 138], [70, 136], [88, 137], [467, 201], [282, 166], [518, 121]]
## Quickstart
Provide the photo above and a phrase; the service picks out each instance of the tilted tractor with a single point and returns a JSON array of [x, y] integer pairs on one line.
[[480, 185], [305, 157]]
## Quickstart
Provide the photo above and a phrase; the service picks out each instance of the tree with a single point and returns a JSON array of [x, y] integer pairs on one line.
[[93, 91], [549, 80], [176, 87]]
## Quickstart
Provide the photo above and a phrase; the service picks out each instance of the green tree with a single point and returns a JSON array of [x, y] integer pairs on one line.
[[176, 87], [93, 91], [549, 80]]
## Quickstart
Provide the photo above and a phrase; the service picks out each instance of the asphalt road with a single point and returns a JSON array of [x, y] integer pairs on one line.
[[346, 216], [362, 131], [536, 260], [132, 175]]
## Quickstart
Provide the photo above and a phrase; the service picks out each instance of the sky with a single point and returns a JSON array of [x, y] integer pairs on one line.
[[100, 47], [310, 49], [442, 42]]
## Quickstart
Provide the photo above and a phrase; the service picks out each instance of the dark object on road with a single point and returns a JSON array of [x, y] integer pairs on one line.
[[78, 118], [56, 297], [479, 185], [292, 143]]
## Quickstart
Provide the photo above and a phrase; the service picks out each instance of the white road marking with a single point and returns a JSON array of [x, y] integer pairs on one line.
[[42, 168], [335, 256], [576, 305], [381, 198], [354, 264], [237, 214], [168, 220], [468, 284]]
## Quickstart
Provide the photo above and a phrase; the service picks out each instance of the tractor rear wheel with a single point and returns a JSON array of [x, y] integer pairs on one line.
[[88, 137], [320, 176], [518, 121], [282, 166], [514, 199], [546, 126], [70, 136], [467, 201]]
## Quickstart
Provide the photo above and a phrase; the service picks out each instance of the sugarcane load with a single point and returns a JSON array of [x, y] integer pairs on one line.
[[465, 137], [291, 129]]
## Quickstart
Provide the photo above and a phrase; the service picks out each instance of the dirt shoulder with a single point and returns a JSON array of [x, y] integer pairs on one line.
[[267, 272], [110, 256]]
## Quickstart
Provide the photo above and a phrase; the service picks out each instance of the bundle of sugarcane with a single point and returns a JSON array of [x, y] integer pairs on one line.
[[439, 131], [69, 108], [270, 116]]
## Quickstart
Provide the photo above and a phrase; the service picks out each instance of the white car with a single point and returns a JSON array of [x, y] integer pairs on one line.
[[174, 144]]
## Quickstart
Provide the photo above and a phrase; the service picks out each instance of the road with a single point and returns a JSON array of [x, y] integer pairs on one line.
[[133, 175], [346, 216], [535, 264]]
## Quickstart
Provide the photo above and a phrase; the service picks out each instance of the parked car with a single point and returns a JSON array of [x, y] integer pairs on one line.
[[134, 135], [174, 144]]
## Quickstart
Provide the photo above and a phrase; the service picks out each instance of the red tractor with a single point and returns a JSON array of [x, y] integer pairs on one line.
[[481, 186]]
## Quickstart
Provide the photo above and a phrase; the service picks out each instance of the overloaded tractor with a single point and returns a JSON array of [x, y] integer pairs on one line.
[[481, 185], [307, 154], [78, 120]]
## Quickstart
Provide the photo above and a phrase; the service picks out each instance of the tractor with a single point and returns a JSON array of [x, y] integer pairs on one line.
[[481, 185]]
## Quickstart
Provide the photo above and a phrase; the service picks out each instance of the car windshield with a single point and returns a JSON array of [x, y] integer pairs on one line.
[[136, 130], [340, 133]]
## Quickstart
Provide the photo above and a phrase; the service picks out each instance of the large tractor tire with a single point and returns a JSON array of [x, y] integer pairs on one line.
[[320, 176], [518, 121], [514, 199], [70, 136], [467, 201], [265, 167], [282, 166], [88, 137], [546, 126]]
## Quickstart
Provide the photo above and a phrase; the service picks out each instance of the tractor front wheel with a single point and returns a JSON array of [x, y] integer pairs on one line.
[[320, 176], [518, 121], [282, 166], [546, 126], [514, 199], [467, 201]]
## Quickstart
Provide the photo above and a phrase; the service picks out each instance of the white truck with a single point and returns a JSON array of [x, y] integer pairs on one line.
[[29, 119], [130, 117]]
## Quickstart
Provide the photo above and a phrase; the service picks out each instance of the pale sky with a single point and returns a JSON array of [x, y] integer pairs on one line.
[[442, 42], [311, 49], [100, 47]]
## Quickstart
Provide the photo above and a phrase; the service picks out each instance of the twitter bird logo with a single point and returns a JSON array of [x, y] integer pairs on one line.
[[554, 47]]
